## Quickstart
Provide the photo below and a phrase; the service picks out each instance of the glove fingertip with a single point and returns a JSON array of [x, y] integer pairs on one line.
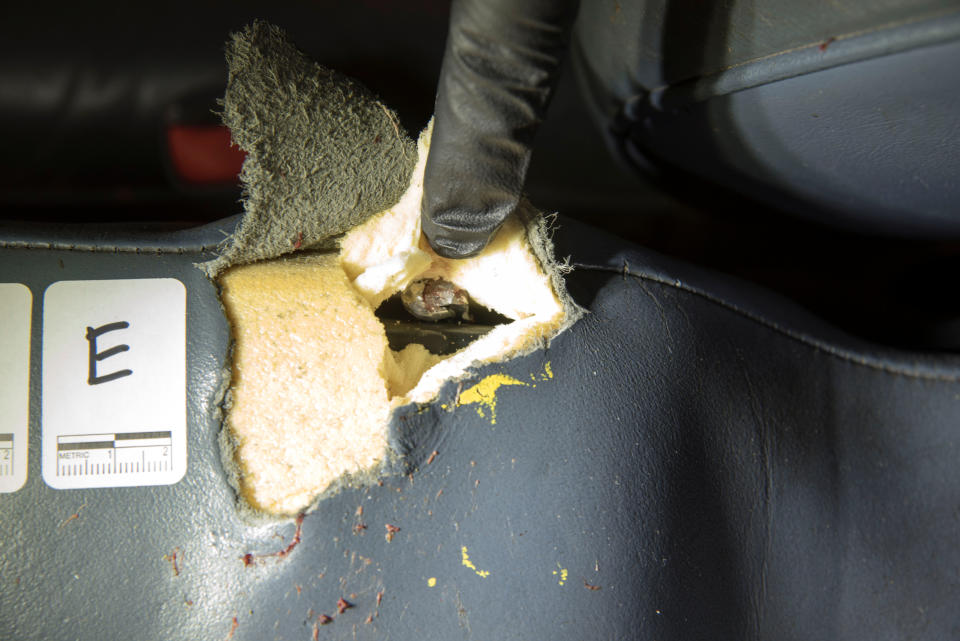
[[456, 244]]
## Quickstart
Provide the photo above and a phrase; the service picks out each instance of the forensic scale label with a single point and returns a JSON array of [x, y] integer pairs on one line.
[[114, 383], [15, 305]]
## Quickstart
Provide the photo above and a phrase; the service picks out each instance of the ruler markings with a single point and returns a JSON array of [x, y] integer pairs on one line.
[[119, 449], [6, 454]]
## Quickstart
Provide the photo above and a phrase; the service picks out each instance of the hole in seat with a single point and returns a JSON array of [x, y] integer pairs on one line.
[[442, 337]]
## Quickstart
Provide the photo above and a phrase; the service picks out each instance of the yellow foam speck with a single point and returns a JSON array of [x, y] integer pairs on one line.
[[561, 574], [484, 394], [432, 581], [467, 563]]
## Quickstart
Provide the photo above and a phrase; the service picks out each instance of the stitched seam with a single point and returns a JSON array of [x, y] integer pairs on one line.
[[812, 45], [769, 324], [105, 249]]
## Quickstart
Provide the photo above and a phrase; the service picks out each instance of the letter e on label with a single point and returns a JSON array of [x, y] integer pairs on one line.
[[114, 383]]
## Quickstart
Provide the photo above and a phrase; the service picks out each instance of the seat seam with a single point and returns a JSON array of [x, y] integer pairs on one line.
[[772, 325], [105, 249]]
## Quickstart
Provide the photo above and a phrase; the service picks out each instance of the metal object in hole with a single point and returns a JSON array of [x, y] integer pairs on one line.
[[436, 299], [439, 338]]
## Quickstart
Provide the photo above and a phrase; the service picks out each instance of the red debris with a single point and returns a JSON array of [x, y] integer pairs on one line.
[[172, 559], [233, 628], [249, 558], [74, 516]]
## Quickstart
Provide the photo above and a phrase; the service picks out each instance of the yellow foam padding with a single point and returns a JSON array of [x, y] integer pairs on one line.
[[309, 400], [407, 367], [314, 381]]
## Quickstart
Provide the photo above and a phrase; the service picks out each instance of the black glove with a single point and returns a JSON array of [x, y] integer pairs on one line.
[[499, 69]]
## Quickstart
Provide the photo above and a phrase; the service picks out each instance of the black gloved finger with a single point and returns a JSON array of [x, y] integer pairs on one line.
[[499, 69]]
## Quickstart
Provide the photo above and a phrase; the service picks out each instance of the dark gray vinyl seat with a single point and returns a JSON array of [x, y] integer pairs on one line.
[[845, 113], [707, 461]]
